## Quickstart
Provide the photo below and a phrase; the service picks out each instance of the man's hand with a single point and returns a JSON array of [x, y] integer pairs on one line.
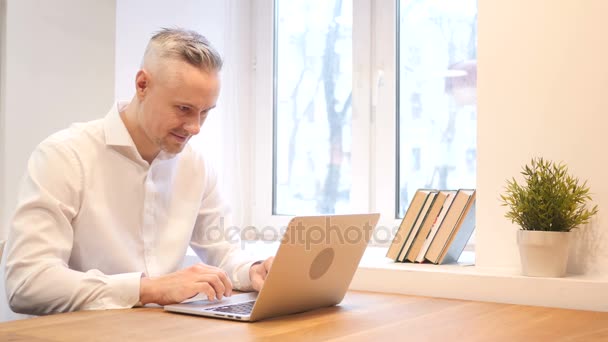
[[181, 285], [258, 273]]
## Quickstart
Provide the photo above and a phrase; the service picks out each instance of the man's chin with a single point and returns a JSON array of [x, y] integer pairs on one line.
[[173, 148]]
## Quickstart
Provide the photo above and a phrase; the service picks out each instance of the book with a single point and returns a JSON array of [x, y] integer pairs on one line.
[[460, 235], [451, 223], [407, 223], [425, 229], [450, 194], [416, 227]]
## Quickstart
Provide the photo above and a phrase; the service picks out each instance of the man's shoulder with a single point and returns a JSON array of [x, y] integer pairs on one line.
[[80, 133], [78, 139]]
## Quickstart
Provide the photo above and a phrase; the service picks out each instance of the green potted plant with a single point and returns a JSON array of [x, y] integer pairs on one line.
[[546, 206]]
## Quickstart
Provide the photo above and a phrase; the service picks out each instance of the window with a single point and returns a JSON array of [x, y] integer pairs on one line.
[[437, 49], [360, 103], [312, 107]]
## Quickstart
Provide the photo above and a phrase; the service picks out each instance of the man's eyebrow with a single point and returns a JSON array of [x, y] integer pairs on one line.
[[184, 103]]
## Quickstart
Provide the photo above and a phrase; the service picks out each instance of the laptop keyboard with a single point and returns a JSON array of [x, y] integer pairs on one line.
[[239, 309]]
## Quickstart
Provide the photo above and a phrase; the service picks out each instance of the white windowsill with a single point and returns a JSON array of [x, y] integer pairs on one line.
[[501, 285], [465, 281]]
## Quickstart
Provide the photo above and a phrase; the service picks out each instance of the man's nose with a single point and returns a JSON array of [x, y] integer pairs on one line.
[[193, 126]]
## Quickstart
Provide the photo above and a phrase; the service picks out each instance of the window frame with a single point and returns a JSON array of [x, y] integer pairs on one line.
[[384, 103]]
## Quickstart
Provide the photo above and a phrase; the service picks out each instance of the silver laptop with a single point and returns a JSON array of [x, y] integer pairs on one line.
[[313, 268]]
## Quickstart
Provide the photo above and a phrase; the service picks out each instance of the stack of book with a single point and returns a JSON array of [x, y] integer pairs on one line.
[[436, 227]]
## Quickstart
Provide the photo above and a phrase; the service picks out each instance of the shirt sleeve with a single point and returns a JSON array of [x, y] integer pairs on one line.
[[38, 278], [216, 241]]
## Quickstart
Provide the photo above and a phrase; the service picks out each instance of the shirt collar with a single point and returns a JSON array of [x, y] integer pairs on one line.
[[116, 132]]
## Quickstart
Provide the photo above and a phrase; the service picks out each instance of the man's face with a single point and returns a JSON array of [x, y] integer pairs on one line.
[[175, 102]]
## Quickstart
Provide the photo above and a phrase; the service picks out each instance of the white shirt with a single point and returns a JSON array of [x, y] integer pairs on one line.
[[93, 216]]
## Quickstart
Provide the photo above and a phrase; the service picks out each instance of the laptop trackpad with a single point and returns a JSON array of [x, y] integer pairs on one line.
[[200, 300]]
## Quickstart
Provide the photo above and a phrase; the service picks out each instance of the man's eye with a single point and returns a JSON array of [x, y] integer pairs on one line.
[[184, 108]]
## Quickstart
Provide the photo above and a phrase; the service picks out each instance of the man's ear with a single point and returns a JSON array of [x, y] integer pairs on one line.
[[142, 82]]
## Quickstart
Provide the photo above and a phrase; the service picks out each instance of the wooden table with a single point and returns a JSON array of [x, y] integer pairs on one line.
[[362, 316]]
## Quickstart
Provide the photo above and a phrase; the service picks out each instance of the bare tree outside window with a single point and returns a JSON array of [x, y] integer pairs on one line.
[[312, 136], [437, 96]]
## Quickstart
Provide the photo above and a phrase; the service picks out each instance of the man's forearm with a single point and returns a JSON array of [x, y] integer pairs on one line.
[[147, 292], [43, 290]]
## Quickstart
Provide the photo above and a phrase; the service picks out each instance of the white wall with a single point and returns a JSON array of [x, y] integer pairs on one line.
[[542, 91], [227, 26], [59, 69], [59, 61], [138, 20]]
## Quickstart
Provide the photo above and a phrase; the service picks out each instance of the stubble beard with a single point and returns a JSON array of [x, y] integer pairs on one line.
[[169, 147]]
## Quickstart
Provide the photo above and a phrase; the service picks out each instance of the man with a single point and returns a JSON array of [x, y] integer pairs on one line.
[[108, 208]]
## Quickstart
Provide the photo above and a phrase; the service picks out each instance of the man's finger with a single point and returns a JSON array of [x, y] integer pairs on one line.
[[203, 269], [216, 283], [226, 282], [207, 290], [268, 264], [257, 283]]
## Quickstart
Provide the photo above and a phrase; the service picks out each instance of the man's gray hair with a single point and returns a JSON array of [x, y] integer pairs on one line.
[[186, 45]]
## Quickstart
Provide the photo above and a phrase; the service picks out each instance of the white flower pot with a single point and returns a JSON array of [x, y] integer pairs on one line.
[[543, 254]]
